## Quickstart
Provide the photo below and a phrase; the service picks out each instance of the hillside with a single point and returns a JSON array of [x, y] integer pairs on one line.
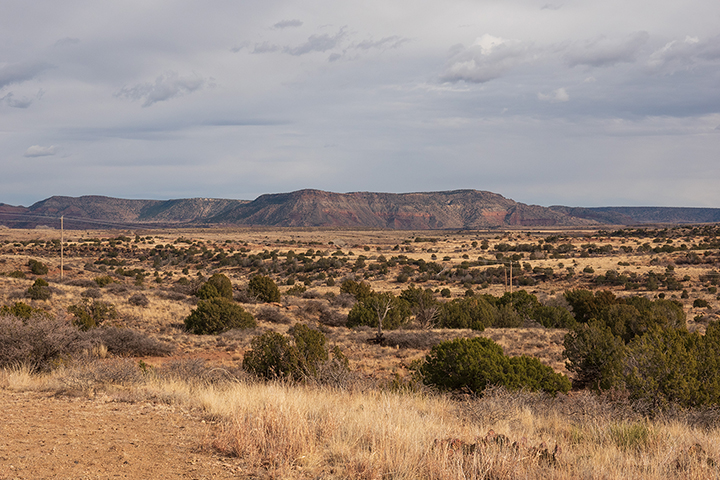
[[457, 209]]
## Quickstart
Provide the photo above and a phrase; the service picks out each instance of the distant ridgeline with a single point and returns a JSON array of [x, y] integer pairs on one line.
[[457, 209]]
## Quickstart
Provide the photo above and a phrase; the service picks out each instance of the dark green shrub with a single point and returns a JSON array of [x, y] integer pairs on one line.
[[381, 310], [595, 356], [521, 301], [16, 274], [296, 290], [217, 285], [700, 303], [585, 305], [507, 317], [37, 268], [310, 344], [529, 373], [476, 363], [103, 280], [273, 355], [476, 313], [22, 310], [40, 290], [264, 288], [91, 314], [662, 367], [553, 317], [217, 315], [207, 291], [359, 290], [445, 293], [423, 305]]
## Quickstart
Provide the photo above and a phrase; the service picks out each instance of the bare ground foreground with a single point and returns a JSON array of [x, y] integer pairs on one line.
[[44, 435]]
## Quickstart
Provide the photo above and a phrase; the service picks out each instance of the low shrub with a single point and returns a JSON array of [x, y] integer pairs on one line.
[[82, 282], [139, 300], [272, 315], [91, 293], [344, 300], [217, 285], [103, 280], [197, 371], [37, 267], [359, 290], [302, 355], [700, 303], [264, 288], [91, 314], [41, 343], [476, 363], [40, 290], [271, 355], [217, 315], [468, 312], [331, 317], [296, 290], [22, 310], [127, 342], [117, 288], [382, 310]]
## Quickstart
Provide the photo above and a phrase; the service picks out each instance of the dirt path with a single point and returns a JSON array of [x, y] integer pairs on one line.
[[47, 436]]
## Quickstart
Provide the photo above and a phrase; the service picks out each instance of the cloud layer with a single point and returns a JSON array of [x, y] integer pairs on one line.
[[589, 103]]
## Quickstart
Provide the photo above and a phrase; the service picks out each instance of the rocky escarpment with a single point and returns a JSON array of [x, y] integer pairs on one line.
[[457, 209]]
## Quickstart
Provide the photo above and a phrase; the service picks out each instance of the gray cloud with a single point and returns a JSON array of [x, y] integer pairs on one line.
[[165, 87], [559, 95], [317, 43], [393, 41], [40, 151], [487, 59], [684, 54], [265, 47], [603, 52], [21, 72], [16, 102], [287, 23]]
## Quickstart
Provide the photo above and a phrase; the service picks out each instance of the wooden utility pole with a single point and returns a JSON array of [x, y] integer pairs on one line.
[[62, 243], [506, 284]]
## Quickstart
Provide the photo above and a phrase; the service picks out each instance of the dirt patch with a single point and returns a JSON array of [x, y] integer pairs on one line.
[[47, 436]]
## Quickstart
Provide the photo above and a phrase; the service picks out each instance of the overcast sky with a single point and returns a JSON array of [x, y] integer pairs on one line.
[[571, 102]]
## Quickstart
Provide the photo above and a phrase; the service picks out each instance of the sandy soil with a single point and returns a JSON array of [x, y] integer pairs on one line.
[[43, 435]]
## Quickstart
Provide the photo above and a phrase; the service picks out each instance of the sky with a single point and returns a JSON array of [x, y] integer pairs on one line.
[[548, 102]]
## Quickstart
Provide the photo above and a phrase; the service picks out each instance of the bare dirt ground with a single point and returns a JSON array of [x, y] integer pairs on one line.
[[43, 435]]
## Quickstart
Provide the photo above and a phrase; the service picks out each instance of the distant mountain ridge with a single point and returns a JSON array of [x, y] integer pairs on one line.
[[456, 209]]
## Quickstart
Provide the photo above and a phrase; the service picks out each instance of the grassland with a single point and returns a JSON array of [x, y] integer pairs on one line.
[[375, 423]]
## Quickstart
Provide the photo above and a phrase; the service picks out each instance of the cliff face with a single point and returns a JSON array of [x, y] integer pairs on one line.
[[436, 210], [458, 209]]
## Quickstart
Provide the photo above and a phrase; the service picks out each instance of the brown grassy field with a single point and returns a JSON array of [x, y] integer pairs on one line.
[[365, 427]]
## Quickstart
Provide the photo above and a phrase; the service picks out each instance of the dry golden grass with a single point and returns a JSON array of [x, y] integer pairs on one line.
[[283, 431]]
